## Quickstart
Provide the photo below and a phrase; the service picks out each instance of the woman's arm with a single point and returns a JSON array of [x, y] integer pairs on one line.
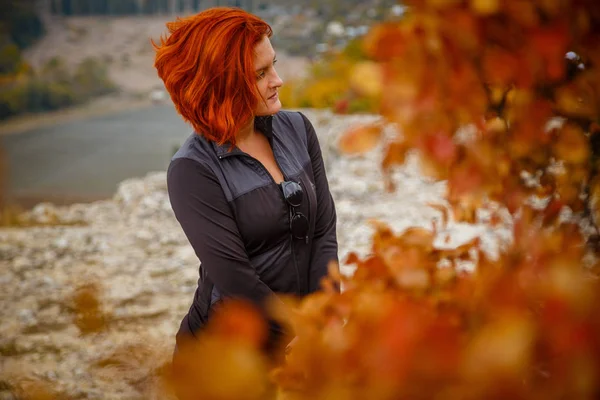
[[202, 210], [324, 245]]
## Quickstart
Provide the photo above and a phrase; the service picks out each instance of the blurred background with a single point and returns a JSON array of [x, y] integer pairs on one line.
[[82, 108]]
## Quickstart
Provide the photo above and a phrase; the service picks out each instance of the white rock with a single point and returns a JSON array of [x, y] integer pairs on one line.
[[61, 243]]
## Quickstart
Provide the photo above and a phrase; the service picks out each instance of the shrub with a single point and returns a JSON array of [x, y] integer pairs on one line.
[[20, 22], [91, 79], [53, 87], [10, 58]]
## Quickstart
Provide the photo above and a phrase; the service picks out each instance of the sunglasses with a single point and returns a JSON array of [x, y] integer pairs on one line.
[[292, 192]]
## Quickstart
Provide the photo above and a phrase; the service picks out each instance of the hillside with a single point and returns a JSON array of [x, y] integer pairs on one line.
[[124, 44]]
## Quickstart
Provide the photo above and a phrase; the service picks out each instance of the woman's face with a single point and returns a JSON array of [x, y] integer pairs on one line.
[[268, 81]]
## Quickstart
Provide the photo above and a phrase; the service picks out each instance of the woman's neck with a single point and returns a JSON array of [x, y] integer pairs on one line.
[[247, 132]]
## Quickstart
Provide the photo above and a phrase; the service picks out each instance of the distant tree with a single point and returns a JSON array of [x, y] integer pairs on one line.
[[19, 22]]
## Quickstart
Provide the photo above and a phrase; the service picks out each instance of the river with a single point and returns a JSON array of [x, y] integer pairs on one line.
[[84, 160]]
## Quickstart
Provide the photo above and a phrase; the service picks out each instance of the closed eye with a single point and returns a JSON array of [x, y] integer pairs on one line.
[[261, 74]]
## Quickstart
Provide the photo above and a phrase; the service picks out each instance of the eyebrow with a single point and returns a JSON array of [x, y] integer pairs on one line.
[[260, 69]]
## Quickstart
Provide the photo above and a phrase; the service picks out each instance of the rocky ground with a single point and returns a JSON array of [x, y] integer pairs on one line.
[[132, 248]]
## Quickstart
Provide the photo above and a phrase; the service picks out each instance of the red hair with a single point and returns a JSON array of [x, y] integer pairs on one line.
[[207, 66]]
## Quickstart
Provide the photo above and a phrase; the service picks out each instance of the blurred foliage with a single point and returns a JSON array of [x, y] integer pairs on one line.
[[10, 59], [52, 87], [89, 317], [20, 23], [326, 85]]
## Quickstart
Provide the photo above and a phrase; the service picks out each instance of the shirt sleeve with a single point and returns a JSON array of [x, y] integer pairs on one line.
[[206, 218], [324, 246]]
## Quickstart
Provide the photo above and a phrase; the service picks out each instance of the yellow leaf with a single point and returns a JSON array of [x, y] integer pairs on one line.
[[485, 7], [495, 125], [367, 78], [570, 101], [572, 145]]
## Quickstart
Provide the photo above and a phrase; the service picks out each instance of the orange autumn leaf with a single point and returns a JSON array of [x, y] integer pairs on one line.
[[485, 7], [395, 154], [571, 145], [464, 179], [360, 139], [34, 389], [418, 237], [550, 43], [351, 258], [500, 66], [384, 42], [413, 278], [237, 320], [87, 308], [570, 100], [501, 349], [439, 147], [217, 368], [495, 125]]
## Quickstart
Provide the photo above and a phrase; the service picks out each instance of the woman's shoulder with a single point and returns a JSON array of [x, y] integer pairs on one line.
[[195, 147], [299, 124], [290, 116], [294, 125], [195, 154]]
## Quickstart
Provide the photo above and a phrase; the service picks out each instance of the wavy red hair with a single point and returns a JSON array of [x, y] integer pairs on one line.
[[206, 63]]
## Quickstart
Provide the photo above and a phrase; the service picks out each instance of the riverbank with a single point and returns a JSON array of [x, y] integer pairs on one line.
[[87, 157], [101, 106]]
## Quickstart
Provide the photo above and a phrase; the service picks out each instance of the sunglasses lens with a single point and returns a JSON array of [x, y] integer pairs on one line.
[[299, 226], [293, 193]]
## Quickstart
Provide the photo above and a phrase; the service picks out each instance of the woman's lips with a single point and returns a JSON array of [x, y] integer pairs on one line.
[[274, 97]]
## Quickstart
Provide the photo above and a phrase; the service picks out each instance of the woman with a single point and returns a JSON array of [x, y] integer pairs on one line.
[[248, 186]]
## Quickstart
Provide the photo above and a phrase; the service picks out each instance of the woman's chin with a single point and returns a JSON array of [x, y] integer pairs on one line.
[[275, 107], [272, 109]]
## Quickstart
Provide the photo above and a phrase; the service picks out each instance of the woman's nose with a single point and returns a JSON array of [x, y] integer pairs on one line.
[[277, 81]]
